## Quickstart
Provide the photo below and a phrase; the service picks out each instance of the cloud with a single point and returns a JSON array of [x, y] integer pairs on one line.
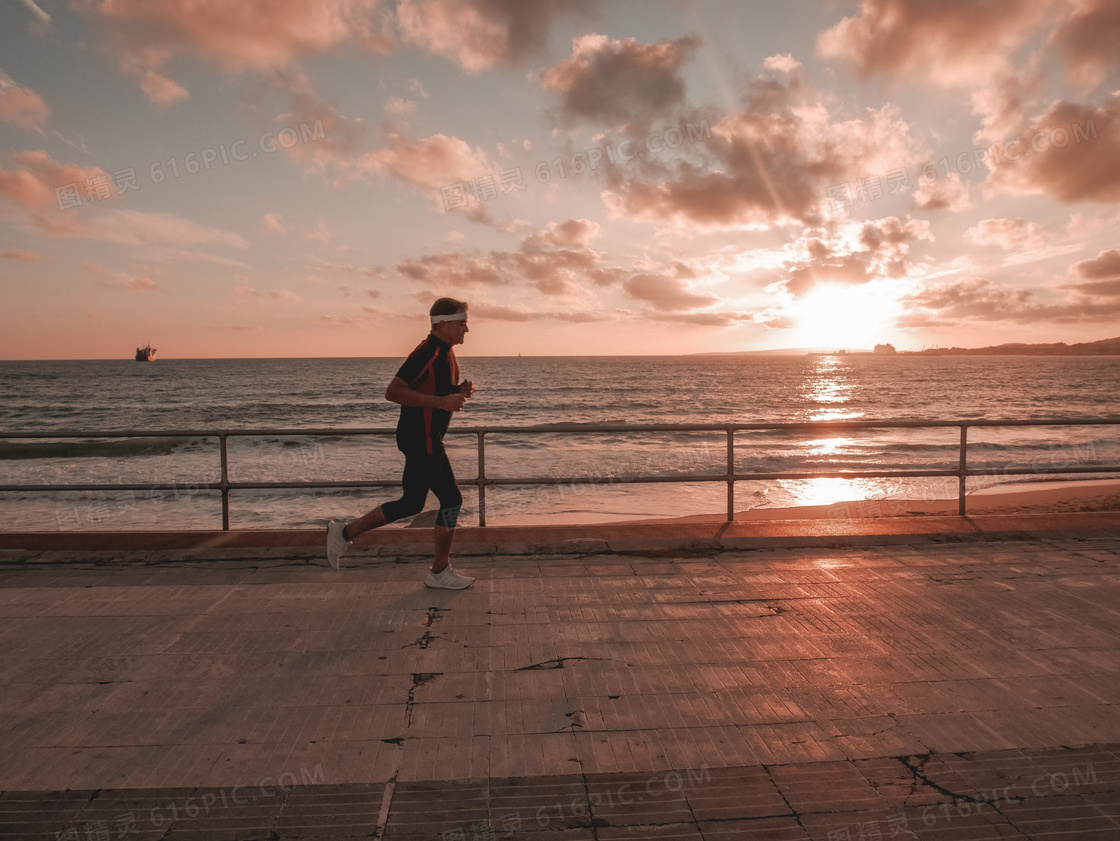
[[320, 235], [246, 291], [666, 292], [1104, 265], [1008, 234], [329, 142], [944, 42], [1099, 287], [978, 299], [40, 16], [134, 227], [396, 105], [494, 312], [255, 35], [623, 81], [1089, 41], [122, 280], [162, 91], [847, 251], [769, 164], [574, 232], [428, 164], [1071, 152], [273, 224], [250, 328], [21, 106], [20, 254], [702, 319], [784, 63], [285, 295], [31, 188], [942, 193], [481, 33], [551, 260]]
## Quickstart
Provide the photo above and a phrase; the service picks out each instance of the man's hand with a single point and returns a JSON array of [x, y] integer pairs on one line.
[[453, 402], [466, 388]]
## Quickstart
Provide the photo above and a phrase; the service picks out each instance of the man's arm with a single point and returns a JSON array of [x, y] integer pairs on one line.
[[400, 393]]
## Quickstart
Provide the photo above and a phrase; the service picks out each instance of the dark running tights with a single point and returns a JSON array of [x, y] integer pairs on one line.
[[423, 473]]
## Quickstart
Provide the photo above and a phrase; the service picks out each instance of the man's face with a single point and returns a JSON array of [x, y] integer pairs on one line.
[[453, 332]]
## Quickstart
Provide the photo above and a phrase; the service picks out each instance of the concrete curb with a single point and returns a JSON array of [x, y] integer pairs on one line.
[[629, 538]]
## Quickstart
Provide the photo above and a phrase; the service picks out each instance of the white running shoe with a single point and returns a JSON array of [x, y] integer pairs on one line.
[[336, 543], [448, 579]]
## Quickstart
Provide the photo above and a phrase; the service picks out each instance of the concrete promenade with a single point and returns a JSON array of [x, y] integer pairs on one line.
[[833, 681]]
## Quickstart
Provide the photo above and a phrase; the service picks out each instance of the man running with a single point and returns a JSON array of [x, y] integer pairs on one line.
[[428, 390]]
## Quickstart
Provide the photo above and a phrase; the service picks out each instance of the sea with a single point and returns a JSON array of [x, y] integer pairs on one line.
[[584, 475]]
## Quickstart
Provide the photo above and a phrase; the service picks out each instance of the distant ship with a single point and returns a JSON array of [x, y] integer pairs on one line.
[[146, 353]]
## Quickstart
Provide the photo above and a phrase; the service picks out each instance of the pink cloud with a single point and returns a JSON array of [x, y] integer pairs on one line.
[[285, 295], [396, 105], [1105, 265], [666, 292], [273, 224], [1006, 233], [249, 35], [769, 164], [430, 163], [621, 81], [1071, 152], [320, 235], [552, 260], [946, 192], [572, 232], [32, 189], [21, 106], [946, 42], [20, 254], [122, 280], [135, 227], [978, 299], [480, 33], [846, 251], [1089, 40], [327, 141], [161, 90]]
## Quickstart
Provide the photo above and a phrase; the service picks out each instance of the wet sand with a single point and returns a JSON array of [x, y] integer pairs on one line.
[[1023, 498]]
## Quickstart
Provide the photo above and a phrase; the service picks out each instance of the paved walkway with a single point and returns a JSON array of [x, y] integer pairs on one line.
[[960, 690]]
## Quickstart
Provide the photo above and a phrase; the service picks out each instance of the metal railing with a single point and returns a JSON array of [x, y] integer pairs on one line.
[[482, 481]]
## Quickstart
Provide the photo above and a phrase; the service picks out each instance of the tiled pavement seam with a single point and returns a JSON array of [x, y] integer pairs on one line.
[[1042, 794]]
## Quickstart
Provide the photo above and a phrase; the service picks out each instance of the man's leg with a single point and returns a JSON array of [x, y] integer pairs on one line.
[[368, 521], [450, 499], [415, 484], [444, 537]]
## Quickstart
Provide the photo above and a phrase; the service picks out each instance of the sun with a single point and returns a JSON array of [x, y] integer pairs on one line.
[[839, 316]]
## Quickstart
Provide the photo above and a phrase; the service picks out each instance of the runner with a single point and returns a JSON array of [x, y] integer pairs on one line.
[[428, 390]]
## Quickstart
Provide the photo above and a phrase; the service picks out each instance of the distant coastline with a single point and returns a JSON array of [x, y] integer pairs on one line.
[[1104, 347]]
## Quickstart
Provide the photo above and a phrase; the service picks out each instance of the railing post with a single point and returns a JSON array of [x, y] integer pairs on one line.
[[222, 437], [481, 477], [962, 473], [730, 474]]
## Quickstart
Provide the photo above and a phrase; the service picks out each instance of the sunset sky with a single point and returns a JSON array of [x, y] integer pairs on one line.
[[287, 178]]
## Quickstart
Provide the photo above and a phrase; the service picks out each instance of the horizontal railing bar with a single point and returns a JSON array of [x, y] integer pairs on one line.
[[1027, 471], [585, 479], [566, 430]]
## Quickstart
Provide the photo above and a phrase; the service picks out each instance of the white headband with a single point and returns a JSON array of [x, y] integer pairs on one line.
[[458, 316]]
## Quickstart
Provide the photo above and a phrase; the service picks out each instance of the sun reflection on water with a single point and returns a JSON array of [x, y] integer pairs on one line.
[[828, 388], [825, 491]]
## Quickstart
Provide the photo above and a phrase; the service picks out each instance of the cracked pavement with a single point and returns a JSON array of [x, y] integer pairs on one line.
[[925, 690]]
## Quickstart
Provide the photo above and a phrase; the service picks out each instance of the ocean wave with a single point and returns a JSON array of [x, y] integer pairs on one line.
[[99, 448]]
